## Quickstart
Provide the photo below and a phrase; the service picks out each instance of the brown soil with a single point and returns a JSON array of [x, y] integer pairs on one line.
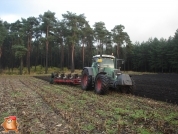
[[46, 108], [33, 114]]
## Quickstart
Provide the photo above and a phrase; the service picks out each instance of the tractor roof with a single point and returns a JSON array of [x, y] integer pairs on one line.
[[104, 55]]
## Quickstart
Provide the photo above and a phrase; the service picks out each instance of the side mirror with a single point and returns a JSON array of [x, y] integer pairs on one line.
[[119, 68]]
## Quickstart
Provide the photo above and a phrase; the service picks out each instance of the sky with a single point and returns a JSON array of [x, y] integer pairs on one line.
[[142, 19]]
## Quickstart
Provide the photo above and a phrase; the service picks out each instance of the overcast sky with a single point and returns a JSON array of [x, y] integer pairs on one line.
[[143, 19]]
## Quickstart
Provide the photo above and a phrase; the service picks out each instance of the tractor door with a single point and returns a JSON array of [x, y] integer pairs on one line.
[[95, 66]]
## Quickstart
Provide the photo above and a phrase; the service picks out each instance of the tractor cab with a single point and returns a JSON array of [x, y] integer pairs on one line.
[[106, 61], [104, 64]]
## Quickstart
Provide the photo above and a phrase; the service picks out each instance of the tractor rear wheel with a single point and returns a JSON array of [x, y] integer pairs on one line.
[[86, 80], [128, 89], [132, 88], [101, 84]]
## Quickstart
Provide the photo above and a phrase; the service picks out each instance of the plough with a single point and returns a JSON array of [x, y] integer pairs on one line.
[[70, 79]]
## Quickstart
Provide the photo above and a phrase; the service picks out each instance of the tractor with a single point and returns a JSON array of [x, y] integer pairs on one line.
[[103, 75]]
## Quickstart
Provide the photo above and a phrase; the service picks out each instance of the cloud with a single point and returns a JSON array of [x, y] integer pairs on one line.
[[11, 18], [142, 18]]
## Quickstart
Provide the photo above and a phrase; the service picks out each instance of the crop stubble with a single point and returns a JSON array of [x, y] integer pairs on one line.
[[42, 107]]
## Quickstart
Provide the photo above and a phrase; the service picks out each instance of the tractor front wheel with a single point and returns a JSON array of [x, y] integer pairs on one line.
[[86, 80], [101, 84]]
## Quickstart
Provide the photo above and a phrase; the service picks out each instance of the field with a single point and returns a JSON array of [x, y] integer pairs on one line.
[[55, 109], [163, 87]]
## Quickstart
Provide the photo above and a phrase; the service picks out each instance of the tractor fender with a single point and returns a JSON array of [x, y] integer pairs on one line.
[[123, 79], [90, 70]]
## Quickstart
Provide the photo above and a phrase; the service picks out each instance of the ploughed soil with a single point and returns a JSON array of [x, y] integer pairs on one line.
[[46, 108], [163, 87]]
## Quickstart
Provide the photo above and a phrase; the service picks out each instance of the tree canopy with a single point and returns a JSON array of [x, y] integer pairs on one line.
[[71, 42]]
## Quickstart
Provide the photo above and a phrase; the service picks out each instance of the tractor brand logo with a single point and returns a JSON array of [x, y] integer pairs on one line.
[[10, 124]]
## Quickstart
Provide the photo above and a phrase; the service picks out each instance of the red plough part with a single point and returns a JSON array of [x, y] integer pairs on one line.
[[67, 79]]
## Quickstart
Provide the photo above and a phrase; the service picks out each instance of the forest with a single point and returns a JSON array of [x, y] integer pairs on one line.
[[71, 42]]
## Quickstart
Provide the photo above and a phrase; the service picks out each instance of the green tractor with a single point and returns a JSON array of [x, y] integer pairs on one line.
[[103, 75]]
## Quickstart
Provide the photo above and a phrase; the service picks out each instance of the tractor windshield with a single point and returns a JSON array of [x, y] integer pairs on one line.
[[107, 62]]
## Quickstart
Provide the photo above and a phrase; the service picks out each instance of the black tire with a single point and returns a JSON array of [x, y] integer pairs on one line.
[[101, 84], [52, 78], [128, 89], [133, 87], [51, 81], [86, 80]]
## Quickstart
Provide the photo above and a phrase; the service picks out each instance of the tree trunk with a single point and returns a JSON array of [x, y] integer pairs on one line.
[[72, 55], [83, 57], [0, 52], [51, 58], [28, 55], [47, 42], [46, 67], [62, 56], [118, 51], [0, 58], [118, 48], [128, 67], [0, 66], [21, 65], [68, 61]]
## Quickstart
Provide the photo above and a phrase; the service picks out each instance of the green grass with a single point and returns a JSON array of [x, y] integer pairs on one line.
[[16, 94], [3, 115], [41, 70], [101, 112], [143, 131], [62, 106], [112, 131], [121, 111], [88, 127], [38, 71], [138, 114], [172, 118], [42, 132], [95, 113]]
